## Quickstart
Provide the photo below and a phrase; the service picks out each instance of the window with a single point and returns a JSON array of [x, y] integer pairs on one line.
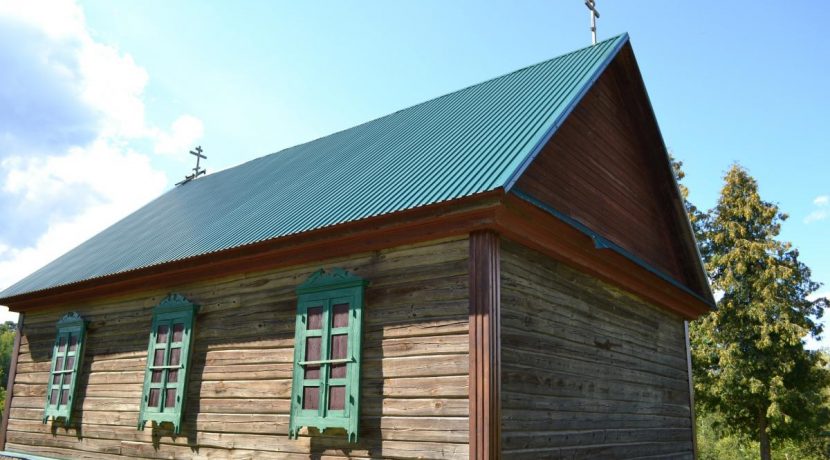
[[66, 360], [326, 386], [168, 355]]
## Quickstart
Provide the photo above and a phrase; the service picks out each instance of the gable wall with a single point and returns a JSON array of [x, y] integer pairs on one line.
[[588, 371], [414, 371], [600, 170]]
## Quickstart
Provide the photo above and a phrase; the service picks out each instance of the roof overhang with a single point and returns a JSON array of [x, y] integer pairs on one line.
[[505, 213]]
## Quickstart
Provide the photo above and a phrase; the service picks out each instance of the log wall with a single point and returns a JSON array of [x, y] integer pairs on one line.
[[588, 371], [414, 375]]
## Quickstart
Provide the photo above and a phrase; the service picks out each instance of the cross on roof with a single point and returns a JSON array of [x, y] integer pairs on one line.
[[592, 7], [197, 171]]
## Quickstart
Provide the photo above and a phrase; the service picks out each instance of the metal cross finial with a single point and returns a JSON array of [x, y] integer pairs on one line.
[[197, 171], [592, 7]]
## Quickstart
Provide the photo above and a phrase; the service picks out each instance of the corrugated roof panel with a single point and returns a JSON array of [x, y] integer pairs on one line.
[[464, 143]]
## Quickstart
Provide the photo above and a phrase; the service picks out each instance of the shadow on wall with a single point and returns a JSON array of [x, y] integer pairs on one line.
[[241, 363]]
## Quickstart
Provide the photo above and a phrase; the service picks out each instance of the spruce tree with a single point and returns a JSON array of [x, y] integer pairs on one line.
[[749, 357]]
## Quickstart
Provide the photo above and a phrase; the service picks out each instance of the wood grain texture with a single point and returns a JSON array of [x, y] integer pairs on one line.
[[523, 222], [588, 371], [485, 347], [10, 383], [415, 368], [606, 168]]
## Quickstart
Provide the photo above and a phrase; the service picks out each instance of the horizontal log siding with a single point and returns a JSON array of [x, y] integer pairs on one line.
[[588, 371], [414, 374]]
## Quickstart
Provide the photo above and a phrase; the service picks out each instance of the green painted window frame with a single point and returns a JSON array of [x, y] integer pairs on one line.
[[70, 326], [324, 290], [172, 311]]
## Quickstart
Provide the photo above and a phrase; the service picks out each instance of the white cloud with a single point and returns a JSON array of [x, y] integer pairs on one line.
[[113, 84], [823, 211], [121, 176], [100, 178], [184, 132], [59, 19], [121, 182]]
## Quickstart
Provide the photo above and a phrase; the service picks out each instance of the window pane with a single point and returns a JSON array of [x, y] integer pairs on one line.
[[311, 397], [170, 398], [61, 344], [59, 364], [178, 332], [338, 371], [312, 372], [161, 334], [312, 349], [155, 377], [70, 362], [174, 360], [56, 379], [158, 358], [341, 315], [64, 396], [154, 397], [315, 318], [312, 353], [339, 346], [73, 343], [337, 398], [53, 398], [175, 356], [67, 378]]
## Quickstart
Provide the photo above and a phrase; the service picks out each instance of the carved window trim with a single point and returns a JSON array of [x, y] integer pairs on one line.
[[324, 291], [173, 315], [63, 376]]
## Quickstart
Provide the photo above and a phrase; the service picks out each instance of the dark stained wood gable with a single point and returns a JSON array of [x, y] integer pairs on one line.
[[607, 169]]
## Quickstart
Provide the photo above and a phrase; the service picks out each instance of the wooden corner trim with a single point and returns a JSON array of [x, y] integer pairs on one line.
[[485, 346], [691, 388], [4, 424]]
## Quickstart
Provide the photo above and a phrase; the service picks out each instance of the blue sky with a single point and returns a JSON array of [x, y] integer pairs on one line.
[[100, 100]]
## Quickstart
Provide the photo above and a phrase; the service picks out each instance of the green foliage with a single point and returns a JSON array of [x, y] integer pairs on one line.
[[749, 360], [7, 332], [697, 218], [716, 443]]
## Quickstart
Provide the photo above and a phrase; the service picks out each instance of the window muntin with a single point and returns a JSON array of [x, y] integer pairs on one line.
[[168, 355], [67, 354], [326, 385]]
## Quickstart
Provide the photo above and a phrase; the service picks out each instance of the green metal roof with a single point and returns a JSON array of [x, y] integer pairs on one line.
[[471, 141]]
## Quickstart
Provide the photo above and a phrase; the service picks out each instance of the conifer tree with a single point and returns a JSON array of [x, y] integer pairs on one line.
[[696, 217], [749, 357]]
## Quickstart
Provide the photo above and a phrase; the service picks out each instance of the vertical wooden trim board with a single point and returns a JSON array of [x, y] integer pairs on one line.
[[691, 388], [485, 346], [10, 385]]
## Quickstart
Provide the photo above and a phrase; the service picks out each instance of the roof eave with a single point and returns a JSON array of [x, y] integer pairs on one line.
[[456, 217]]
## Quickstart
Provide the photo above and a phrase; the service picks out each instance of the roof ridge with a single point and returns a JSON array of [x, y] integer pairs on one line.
[[483, 82]]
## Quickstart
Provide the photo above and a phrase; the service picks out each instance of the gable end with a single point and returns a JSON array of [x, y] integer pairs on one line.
[[606, 171]]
